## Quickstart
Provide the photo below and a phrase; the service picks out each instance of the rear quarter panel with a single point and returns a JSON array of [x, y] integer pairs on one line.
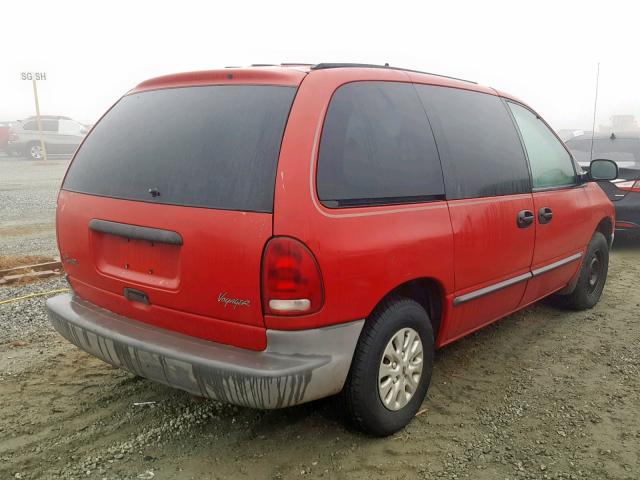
[[364, 253]]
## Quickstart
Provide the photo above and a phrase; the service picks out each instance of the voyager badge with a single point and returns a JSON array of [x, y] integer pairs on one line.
[[236, 302]]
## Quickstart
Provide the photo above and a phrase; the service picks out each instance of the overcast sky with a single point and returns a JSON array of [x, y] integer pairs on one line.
[[542, 52]]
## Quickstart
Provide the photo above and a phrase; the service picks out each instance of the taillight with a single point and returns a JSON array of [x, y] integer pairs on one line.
[[630, 186], [291, 279]]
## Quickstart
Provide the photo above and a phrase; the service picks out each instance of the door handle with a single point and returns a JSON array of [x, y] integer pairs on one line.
[[545, 215], [525, 218]]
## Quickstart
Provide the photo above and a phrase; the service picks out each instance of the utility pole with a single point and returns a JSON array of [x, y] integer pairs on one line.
[[34, 77]]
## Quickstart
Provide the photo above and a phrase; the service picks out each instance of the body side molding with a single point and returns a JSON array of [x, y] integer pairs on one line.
[[481, 292]]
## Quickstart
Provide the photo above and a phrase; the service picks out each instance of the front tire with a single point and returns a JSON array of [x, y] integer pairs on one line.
[[391, 368], [592, 276]]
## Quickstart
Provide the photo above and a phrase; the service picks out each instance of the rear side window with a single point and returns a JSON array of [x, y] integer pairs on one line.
[[49, 125], [213, 147], [481, 153], [377, 148], [551, 164], [69, 127]]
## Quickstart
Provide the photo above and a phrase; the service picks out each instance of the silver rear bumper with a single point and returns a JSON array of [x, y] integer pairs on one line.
[[296, 367]]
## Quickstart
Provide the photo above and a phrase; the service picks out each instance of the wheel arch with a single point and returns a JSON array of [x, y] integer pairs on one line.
[[428, 292], [606, 228]]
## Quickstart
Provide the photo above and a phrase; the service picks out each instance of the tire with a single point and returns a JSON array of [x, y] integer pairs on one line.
[[395, 319], [34, 151], [592, 276]]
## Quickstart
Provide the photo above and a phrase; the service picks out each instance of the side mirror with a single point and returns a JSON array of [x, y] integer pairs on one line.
[[602, 169]]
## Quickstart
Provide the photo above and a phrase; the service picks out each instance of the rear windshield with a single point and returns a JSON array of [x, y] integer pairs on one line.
[[214, 147]]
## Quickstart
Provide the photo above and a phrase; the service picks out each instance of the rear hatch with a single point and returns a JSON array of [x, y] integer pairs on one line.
[[167, 206]]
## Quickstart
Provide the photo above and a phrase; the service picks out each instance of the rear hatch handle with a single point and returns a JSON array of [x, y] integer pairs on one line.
[[127, 230], [136, 295]]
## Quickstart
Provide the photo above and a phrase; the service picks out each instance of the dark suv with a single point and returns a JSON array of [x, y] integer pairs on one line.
[[624, 149]]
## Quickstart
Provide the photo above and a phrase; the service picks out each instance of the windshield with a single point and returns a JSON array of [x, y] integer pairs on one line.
[[213, 146]]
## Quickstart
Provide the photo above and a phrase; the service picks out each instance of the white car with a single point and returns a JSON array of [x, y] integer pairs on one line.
[[61, 135]]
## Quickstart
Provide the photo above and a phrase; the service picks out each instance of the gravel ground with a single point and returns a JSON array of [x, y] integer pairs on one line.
[[542, 394], [25, 318], [28, 192]]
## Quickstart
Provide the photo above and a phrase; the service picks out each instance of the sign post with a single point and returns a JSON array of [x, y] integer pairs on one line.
[[34, 77]]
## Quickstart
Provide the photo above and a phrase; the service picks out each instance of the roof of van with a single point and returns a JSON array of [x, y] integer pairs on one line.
[[292, 74]]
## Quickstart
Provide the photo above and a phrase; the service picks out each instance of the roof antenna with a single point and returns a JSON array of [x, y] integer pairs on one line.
[[595, 106]]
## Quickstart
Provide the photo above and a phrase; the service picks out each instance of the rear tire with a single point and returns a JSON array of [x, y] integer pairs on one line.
[[34, 151], [391, 368], [592, 276]]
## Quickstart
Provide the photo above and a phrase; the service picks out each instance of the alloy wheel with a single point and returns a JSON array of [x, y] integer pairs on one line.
[[36, 152], [400, 369]]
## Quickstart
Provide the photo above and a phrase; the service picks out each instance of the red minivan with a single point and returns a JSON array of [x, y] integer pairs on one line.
[[268, 236]]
